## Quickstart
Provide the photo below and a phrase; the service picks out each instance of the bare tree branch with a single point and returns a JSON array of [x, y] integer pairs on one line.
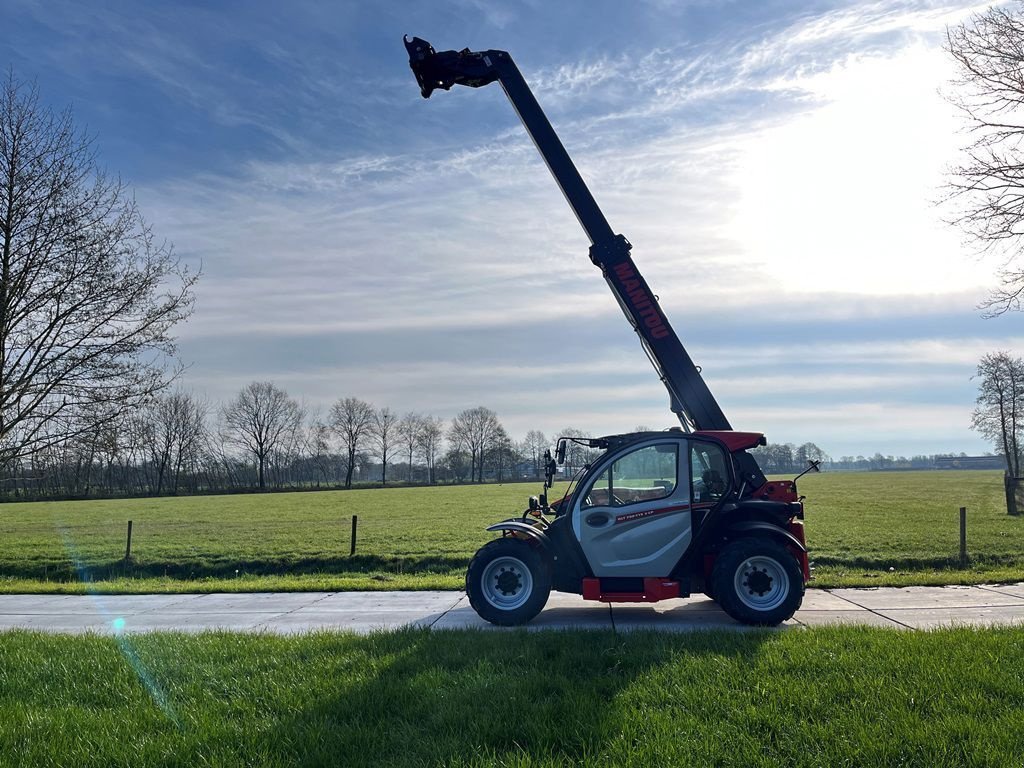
[[261, 420], [999, 412], [352, 420], [88, 298]]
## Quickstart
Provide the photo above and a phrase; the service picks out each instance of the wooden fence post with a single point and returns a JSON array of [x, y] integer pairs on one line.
[[128, 547], [352, 549]]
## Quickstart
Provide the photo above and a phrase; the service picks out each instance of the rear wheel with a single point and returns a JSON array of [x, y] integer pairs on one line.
[[508, 582], [758, 581]]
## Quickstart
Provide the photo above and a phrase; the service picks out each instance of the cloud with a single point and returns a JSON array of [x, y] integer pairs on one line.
[[776, 183]]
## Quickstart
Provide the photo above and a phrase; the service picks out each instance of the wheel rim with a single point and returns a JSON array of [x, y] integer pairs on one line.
[[506, 583], [761, 583]]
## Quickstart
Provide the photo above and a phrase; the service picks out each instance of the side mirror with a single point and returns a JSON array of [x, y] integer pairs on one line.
[[813, 465], [560, 452]]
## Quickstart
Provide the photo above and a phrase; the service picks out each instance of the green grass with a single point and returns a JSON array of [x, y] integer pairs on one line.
[[408, 538], [821, 697], [863, 529], [901, 528]]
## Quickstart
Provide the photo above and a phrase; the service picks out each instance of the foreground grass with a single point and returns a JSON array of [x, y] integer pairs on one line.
[[831, 696], [863, 529]]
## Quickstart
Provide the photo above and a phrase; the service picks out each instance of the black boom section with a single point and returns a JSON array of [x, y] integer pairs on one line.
[[690, 397]]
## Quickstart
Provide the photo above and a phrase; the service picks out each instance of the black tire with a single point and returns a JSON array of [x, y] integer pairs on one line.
[[758, 581], [508, 582]]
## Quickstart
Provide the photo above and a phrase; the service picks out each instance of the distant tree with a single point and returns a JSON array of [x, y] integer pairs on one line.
[[220, 458], [260, 420], [457, 462], [88, 297], [429, 437], [318, 447], [177, 430], [384, 434], [406, 438], [534, 446], [775, 458], [988, 50], [352, 420], [502, 454], [474, 431], [999, 412], [109, 445], [808, 452]]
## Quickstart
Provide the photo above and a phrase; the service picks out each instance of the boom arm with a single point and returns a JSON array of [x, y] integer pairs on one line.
[[691, 400]]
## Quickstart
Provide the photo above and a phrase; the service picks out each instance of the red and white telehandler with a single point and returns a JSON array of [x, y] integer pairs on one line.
[[656, 515]]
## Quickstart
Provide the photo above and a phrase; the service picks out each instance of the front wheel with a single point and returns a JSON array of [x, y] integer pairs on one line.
[[758, 581], [508, 582]]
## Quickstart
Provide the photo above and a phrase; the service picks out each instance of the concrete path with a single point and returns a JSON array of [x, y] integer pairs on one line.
[[289, 612]]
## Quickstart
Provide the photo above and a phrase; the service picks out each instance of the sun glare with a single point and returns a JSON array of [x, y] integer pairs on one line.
[[843, 196]]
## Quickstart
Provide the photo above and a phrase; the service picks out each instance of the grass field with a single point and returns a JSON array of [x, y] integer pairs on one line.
[[863, 529], [821, 697]]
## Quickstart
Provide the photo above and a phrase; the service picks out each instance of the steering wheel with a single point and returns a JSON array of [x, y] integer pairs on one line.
[[714, 482]]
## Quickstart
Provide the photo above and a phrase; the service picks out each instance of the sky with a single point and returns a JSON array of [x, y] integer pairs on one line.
[[778, 167]]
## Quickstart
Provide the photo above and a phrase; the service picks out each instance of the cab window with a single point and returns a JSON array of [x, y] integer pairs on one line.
[[645, 474], [709, 472]]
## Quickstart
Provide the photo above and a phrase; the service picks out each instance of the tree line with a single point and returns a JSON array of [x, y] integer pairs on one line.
[[265, 439]]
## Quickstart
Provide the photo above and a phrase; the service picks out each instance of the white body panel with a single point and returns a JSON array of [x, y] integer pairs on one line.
[[621, 532]]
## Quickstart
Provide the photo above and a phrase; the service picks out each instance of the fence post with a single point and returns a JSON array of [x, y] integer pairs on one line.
[[963, 537], [352, 549], [128, 547]]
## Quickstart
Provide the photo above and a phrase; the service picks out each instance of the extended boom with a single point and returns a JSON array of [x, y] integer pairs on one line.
[[691, 400]]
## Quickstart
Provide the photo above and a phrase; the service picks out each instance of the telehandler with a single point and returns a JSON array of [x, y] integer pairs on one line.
[[656, 515]]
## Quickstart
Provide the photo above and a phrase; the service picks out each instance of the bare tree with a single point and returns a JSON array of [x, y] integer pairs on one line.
[[384, 432], [407, 434], [109, 446], [428, 444], [88, 298], [999, 415], [809, 452], [352, 419], [177, 428], [474, 430], [502, 454], [318, 447], [534, 446], [989, 184], [222, 464], [260, 420], [777, 458], [456, 461]]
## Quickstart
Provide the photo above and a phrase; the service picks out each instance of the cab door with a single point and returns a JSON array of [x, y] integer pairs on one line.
[[633, 518]]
